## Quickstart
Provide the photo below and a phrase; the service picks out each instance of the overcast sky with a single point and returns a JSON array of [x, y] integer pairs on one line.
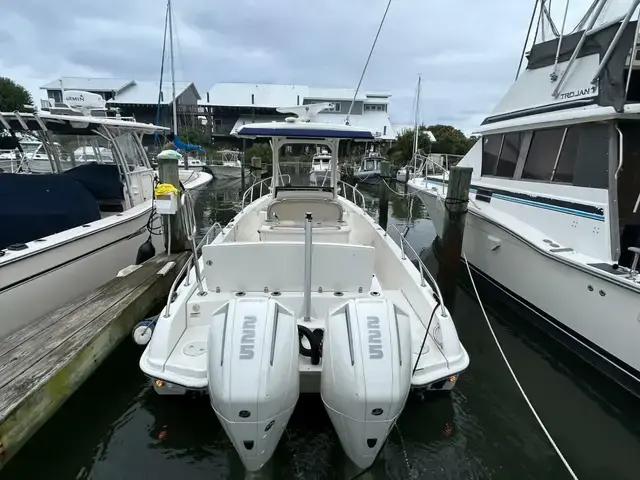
[[467, 51]]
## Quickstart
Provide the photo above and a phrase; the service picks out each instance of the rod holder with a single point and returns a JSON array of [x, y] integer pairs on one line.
[[308, 245]]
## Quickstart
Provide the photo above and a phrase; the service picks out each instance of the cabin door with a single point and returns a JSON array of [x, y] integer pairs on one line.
[[629, 191]]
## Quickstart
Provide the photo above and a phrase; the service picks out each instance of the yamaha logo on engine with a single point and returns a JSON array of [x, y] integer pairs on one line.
[[247, 341], [375, 338]]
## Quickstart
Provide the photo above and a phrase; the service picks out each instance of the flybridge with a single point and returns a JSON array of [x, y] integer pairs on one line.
[[586, 65]]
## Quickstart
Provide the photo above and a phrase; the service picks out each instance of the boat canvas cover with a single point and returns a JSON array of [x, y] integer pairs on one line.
[[611, 85], [35, 206], [102, 181]]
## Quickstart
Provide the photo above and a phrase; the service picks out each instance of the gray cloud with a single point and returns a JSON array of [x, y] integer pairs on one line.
[[466, 51]]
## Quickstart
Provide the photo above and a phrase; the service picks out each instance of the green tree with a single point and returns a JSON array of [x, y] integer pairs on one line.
[[448, 140], [196, 135], [13, 96], [259, 149]]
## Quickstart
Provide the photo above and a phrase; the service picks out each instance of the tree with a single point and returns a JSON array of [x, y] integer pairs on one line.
[[448, 140], [196, 135], [13, 96], [259, 149]]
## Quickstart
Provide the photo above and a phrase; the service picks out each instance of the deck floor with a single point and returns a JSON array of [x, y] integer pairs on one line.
[[42, 364]]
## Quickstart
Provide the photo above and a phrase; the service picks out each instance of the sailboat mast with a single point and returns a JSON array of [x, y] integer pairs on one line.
[[415, 126], [173, 71]]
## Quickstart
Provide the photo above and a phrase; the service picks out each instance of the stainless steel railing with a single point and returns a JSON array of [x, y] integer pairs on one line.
[[354, 191], [189, 221], [261, 183], [422, 268]]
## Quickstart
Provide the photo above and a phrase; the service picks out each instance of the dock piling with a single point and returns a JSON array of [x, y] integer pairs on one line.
[[173, 227], [453, 231]]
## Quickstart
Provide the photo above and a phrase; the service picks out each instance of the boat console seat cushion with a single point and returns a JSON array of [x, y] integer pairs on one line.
[[274, 232], [279, 266], [292, 211]]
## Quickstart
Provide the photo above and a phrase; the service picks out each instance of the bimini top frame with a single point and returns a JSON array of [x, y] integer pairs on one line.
[[297, 131], [45, 125]]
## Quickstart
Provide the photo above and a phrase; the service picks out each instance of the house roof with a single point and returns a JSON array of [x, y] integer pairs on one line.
[[146, 93], [267, 95], [89, 84]]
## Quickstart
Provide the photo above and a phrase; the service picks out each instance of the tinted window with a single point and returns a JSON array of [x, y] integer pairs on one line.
[[542, 154], [509, 155], [490, 151], [591, 168]]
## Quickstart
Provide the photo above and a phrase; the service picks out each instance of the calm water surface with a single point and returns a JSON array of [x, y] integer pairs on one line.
[[115, 427]]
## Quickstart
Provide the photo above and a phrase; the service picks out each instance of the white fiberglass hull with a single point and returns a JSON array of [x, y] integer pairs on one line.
[[69, 264], [65, 266], [413, 294], [227, 171], [194, 180], [593, 315]]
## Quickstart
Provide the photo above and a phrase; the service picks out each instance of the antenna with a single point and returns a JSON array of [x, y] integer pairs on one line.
[[375, 40], [173, 71]]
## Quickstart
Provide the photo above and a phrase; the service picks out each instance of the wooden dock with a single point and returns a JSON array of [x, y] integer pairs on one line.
[[45, 362]]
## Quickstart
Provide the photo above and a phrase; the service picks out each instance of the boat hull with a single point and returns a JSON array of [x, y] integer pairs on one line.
[[371, 177], [595, 317], [35, 285], [224, 171]]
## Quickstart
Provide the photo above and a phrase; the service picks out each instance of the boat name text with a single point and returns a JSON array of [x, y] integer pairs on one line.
[[581, 92]]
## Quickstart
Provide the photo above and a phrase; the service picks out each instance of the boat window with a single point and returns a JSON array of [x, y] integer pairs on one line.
[[490, 152], [584, 158], [369, 165], [543, 153], [509, 155], [30, 147], [128, 147]]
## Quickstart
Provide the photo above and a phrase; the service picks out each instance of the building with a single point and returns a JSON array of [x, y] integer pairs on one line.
[[135, 98], [228, 106]]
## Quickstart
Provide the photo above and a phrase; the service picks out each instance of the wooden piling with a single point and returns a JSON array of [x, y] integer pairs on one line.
[[383, 194], [455, 216], [42, 364], [168, 171]]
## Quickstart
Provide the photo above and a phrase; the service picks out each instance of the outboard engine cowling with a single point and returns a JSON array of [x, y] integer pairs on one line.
[[253, 374], [366, 373]]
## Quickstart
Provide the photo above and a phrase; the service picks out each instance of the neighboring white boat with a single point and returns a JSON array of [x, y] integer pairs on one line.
[[302, 292], [554, 220], [321, 169], [64, 235], [231, 166], [192, 163], [194, 180]]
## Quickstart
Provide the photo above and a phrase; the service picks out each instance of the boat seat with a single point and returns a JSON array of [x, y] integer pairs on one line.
[[292, 211], [274, 232], [280, 266]]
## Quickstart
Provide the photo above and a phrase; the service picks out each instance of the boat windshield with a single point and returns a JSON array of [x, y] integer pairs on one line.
[[30, 147], [369, 164], [72, 151]]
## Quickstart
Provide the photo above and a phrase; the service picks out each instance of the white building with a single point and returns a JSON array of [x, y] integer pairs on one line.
[[230, 105]]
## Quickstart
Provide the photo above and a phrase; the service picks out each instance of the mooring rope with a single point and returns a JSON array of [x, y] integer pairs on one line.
[[515, 379]]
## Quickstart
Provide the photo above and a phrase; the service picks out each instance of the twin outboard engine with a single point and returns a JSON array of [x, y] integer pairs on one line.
[[253, 374], [366, 373]]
